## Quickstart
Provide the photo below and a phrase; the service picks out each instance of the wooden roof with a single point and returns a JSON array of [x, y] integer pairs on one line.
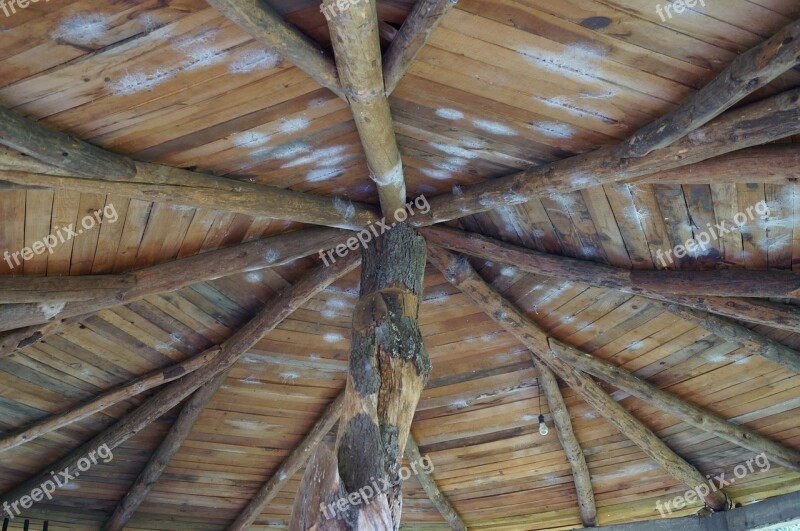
[[499, 87]]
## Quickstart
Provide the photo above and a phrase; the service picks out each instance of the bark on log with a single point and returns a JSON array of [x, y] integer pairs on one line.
[[320, 488], [152, 471], [458, 272], [266, 25], [414, 33], [572, 448], [681, 409], [16, 290], [354, 34], [230, 351]]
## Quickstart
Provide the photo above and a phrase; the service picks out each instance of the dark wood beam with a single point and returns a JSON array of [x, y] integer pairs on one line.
[[772, 119], [458, 272], [681, 409], [354, 34], [570, 444], [708, 291], [170, 276], [266, 25], [294, 462], [749, 72], [159, 460], [15, 290], [414, 33], [230, 351]]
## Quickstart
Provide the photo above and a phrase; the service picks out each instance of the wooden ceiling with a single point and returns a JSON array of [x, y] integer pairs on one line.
[[499, 87]]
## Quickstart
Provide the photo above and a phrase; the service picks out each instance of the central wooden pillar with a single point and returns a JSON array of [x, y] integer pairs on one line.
[[389, 367]]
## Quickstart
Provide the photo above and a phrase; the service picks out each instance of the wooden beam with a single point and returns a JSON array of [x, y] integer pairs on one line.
[[354, 34], [430, 487], [159, 460], [319, 487], [772, 119], [15, 290], [296, 460], [749, 72], [230, 351], [681, 409], [572, 448], [414, 33], [266, 25], [106, 400], [155, 182], [459, 273], [708, 290], [170, 276]]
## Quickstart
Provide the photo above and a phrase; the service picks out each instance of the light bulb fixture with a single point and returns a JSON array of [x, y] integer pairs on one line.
[[542, 426]]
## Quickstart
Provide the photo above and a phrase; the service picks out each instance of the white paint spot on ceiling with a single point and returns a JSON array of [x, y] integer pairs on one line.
[[553, 129], [450, 114], [254, 277], [293, 125], [459, 404], [251, 380], [286, 151], [252, 60], [289, 376], [139, 81], [332, 337], [51, 309], [82, 28], [345, 207], [441, 175], [250, 139], [579, 62], [338, 303], [454, 150], [323, 174], [495, 128]]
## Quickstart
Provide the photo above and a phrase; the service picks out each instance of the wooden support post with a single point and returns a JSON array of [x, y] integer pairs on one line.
[[299, 456], [681, 409], [170, 276], [749, 72], [430, 487], [152, 471], [414, 33], [354, 33], [265, 25], [572, 448], [656, 285], [230, 351], [458, 272], [774, 118]]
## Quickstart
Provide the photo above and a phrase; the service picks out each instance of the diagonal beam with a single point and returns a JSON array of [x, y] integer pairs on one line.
[[414, 33], [459, 273], [266, 25], [170, 276], [230, 351], [14, 290], [747, 73], [656, 285], [354, 33], [294, 462], [430, 487], [172, 442], [771, 119], [106, 400], [685, 411], [109, 172], [570, 444]]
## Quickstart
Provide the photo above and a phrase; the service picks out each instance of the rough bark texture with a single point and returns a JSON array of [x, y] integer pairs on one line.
[[572, 448], [320, 487], [152, 471], [389, 367], [413, 34]]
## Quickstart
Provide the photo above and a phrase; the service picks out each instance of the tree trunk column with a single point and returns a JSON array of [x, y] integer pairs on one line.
[[389, 367]]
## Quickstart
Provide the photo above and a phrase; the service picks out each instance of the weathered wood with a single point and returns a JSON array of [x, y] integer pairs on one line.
[[230, 351], [683, 410], [747, 73], [388, 369], [294, 462], [106, 399], [159, 460], [266, 25], [169, 276], [713, 288], [430, 487], [774, 118], [458, 272], [572, 448], [354, 33], [320, 486], [60, 149], [17, 290], [414, 33], [731, 331]]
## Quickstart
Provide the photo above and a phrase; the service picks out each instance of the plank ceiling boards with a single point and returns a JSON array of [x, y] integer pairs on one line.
[[498, 88]]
